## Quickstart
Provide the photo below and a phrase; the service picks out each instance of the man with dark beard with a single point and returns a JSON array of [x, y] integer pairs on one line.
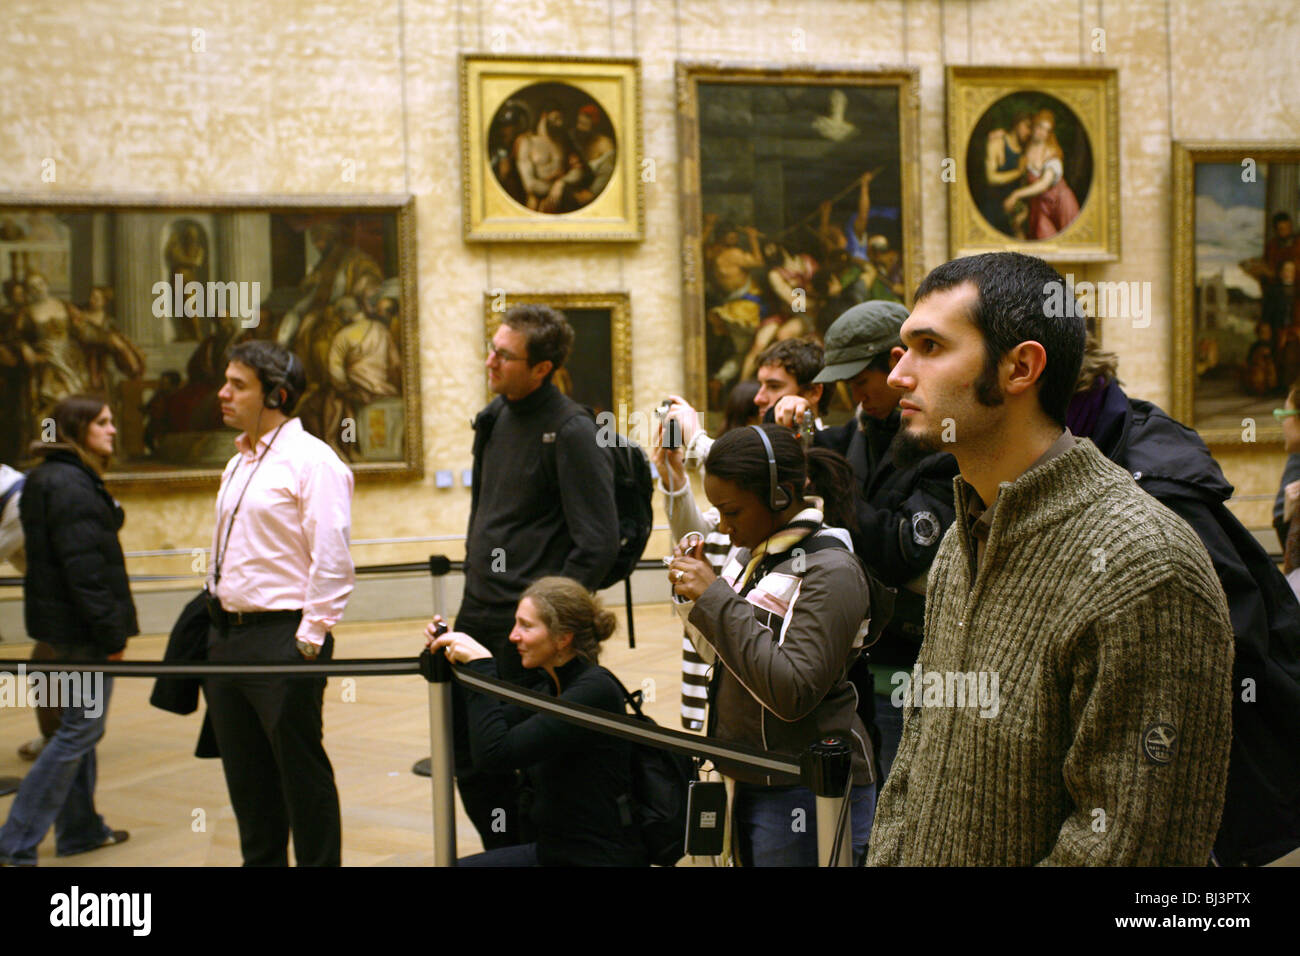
[[549, 163], [1094, 606], [905, 497]]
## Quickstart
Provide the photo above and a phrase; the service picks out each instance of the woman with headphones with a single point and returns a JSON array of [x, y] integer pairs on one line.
[[787, 618]]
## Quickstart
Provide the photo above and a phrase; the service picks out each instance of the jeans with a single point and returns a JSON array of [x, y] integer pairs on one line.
[[60, 788], [890, 721], [522, 854], [771, 832]]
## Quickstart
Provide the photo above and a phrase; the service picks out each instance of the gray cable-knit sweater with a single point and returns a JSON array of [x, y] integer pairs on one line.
[[1104, 739]]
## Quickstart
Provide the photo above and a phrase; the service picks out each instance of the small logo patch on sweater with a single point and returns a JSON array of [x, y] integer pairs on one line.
[[1160, 743], [548, 437]]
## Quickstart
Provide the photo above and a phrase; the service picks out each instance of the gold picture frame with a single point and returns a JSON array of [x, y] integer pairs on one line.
[[826, 125], [1068, 118], [598, 372], [146, 294], [551, 148], [1228, 285]]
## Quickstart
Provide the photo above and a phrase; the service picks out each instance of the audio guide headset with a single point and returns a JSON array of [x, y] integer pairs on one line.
[[272, 386], [778, 499]]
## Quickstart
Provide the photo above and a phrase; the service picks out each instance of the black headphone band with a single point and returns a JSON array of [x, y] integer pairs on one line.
[[773, 489], [271, 398]]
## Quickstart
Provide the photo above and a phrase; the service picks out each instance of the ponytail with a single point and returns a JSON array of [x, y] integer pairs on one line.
[[831, 478]]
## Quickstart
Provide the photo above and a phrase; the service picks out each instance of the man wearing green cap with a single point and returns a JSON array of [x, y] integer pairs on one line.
[[905, 503]]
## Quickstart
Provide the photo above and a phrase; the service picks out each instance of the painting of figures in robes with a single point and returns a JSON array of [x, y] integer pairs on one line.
[[141, 304]]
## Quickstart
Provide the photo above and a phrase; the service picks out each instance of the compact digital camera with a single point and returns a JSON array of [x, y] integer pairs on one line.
[[672, 428]]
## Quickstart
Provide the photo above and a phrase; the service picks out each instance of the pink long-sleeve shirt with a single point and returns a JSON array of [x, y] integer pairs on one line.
[[289, 545]]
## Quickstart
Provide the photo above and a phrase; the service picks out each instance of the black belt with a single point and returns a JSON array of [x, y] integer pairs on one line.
[[250, 618]]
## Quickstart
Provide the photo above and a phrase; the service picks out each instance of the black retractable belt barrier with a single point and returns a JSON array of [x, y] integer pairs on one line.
[[824, 769], [348, 667]]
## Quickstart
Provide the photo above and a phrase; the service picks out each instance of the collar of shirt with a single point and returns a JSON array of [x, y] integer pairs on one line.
[[980, 518], [245, 447]]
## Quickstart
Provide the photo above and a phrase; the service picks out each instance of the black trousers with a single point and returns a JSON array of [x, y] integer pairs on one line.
[[491, 799], [270, 735]]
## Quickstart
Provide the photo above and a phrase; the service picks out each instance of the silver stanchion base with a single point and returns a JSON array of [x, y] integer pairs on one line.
[[828, 814]]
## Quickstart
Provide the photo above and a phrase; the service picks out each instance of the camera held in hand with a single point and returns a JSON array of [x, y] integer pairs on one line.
[[672, 428], [806, 429]]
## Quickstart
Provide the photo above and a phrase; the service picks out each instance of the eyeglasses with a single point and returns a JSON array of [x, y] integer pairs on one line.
[[502, 356], [1284, 412]]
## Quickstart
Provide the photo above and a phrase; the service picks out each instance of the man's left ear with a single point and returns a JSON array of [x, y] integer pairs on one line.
[[546, 366], [813, 393], [1023, 365]]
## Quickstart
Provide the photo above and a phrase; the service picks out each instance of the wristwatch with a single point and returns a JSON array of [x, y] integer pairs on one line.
[[308, 649]]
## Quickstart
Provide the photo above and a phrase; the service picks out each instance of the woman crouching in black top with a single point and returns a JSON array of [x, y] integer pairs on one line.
[[582, 779]]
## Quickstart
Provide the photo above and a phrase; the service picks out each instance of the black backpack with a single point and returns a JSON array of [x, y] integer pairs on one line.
[[633, 490], [633, 493], [660, 782], [633, 497]]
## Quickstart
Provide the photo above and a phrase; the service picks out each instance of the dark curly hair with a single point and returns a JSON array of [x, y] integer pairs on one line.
[[738, 456]]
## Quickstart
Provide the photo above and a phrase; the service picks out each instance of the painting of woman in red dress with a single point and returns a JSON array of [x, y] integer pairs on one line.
[[1052, 204]]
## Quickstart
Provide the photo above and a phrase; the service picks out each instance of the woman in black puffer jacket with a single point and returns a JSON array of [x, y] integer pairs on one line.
[[77, 599]]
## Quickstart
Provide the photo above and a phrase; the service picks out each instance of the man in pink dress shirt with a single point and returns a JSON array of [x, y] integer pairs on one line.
[[281, 572]]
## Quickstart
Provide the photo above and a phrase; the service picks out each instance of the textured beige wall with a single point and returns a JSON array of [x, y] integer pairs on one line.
[[286, 91]]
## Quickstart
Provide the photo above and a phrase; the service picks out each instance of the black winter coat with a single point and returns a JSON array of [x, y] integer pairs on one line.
[[75, 590], [1261, 813], [902, 516]]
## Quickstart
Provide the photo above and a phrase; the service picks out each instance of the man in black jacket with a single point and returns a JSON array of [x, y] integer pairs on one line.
[[542, 503], [904, 507], [1261, 812]]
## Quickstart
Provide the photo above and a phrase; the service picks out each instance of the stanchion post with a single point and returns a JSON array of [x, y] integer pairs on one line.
[[437, 671], [439, 567], [827, 767]]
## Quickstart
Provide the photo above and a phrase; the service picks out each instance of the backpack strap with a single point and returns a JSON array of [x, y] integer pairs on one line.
[[632, 700], [548, 448], [482, 424]]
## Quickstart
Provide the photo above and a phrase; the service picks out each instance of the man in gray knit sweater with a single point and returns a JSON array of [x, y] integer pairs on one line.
[[1071, 703]]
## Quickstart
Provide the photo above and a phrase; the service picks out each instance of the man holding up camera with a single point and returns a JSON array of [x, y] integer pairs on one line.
[[785, 368], [281, 576]]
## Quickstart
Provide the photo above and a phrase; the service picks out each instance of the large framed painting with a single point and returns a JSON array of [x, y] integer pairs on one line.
[[1034, 157], [800, 197], [139, 301], [1236, 312], [551, 148], [598, 372]]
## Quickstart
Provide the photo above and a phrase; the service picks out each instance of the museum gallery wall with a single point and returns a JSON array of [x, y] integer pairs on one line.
[[668, 119]]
